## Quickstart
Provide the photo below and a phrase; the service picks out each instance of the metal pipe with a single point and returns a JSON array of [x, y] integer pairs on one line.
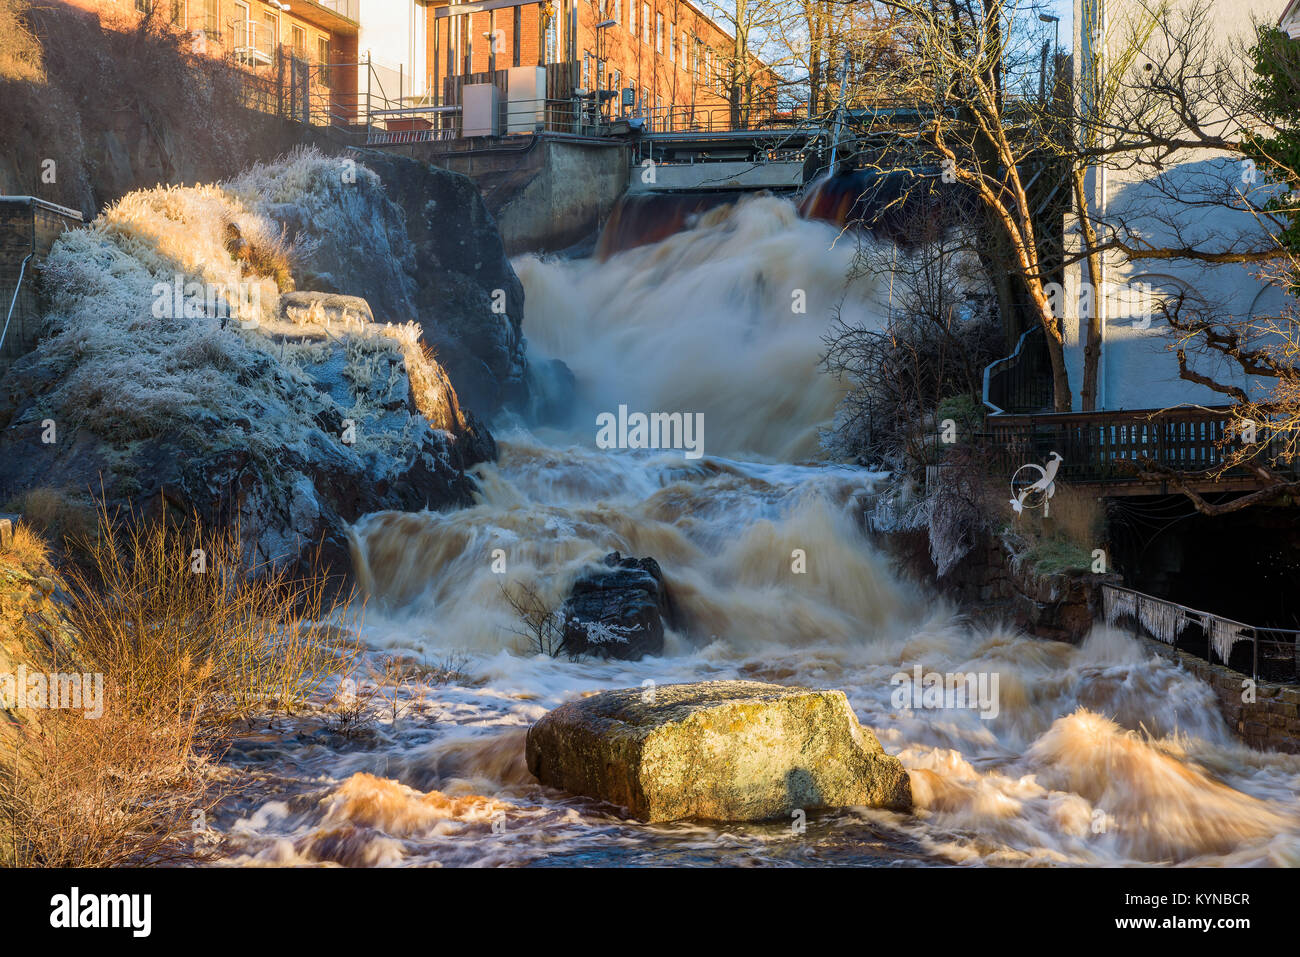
[[22, 271]]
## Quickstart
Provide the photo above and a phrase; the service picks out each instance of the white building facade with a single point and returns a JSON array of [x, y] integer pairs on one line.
[[1138, 369]]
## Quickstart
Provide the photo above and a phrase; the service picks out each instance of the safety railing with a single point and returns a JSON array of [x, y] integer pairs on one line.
[[1022, 381], [1273, 651], [13, 302], [1108, 446]]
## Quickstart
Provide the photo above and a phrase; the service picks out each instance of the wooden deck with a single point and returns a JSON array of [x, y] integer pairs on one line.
[[1097, 448]]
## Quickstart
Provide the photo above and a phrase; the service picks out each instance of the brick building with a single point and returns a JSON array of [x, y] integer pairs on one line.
[[670, 55], [286, 45]]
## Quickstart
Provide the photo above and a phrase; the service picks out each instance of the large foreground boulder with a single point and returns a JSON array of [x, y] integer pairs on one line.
[[618, 610], [716, 750]]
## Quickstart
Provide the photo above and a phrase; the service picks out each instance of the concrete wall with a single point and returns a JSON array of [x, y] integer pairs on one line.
[[1138, 370], [546, 192], [25, 228]]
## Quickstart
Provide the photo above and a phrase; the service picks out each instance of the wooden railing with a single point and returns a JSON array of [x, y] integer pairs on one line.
[[1096, 446]]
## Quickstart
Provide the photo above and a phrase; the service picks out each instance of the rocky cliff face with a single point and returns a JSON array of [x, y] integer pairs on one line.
[[417, 243], [181, 369]]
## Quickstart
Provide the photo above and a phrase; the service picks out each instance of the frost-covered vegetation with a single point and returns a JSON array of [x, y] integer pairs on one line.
[[168, 313]]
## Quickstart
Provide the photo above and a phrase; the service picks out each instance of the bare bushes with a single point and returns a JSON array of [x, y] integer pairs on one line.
[[185, 640], [932, 350]]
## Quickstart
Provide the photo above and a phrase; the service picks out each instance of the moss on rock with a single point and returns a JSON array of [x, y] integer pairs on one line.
[[716, 750]]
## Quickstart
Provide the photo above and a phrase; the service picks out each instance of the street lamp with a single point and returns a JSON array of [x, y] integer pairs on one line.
[[600, 29], [1056, 22]]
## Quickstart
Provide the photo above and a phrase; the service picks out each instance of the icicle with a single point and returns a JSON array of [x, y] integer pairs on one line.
[[1118, 605], [1162, 620], [1225, 634]]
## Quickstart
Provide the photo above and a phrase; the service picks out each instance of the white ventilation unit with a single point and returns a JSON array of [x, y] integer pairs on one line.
[[479, 112], [526, 101]]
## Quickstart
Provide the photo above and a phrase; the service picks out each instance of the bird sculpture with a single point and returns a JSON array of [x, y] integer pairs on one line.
[[1046, 484]]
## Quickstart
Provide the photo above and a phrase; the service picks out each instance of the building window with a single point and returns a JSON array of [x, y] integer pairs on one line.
[[600, 74], [631, 17], [211, 18], [618, 11], [586, 70], [645, 23], [323, 57], [299, 36], [141, 6], [685, 50], [708, 66], [270, 33], [551, 40], [616, 82], [243, 27], [659, 33], [672, 43]]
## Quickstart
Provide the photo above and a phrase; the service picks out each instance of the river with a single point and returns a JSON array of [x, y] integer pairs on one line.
[[1098, 754]]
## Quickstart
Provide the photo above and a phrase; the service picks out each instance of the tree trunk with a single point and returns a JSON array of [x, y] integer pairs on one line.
[[1092, 342]]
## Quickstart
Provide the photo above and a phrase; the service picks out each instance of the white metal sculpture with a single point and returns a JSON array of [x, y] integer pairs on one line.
[[1028, 492]]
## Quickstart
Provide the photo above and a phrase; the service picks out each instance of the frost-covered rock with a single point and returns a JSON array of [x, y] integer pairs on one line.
[[180, 367], [716, 750], [418, 244]]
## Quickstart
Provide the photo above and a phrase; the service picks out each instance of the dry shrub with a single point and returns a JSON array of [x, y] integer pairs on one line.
[[183, 621], [186, 652], [27, 550], [104, 792]]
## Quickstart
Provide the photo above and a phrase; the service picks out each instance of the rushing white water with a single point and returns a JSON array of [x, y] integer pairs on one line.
[[1101, 753]]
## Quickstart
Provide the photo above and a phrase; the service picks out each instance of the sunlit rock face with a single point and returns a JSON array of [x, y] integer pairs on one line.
[[182, 369], [716, 750], [419, 245]]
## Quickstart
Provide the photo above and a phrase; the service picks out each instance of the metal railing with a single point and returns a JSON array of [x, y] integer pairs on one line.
[[1274, 651], [18, 288], [254, 42], [1022, 381]]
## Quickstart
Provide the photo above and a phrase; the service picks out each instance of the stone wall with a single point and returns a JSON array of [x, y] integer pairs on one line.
[[993, 584], [1269, 723]]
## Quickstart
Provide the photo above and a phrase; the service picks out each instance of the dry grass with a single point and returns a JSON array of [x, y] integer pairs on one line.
[[186, 653], [55, 516], [27, 550], [20, 53], [186, 624]]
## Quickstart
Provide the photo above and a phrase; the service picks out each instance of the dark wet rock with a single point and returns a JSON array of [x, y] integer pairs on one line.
[[618, 610], [419, 244], [716, 750]]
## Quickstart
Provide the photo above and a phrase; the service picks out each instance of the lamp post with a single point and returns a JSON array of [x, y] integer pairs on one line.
[[1042, 67], [1056, 22], [600, 29]]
